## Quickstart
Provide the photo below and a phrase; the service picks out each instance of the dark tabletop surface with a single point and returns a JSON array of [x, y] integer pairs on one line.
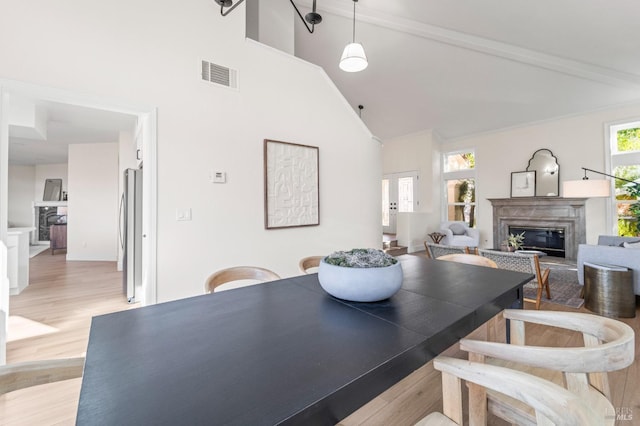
[[280, 352]]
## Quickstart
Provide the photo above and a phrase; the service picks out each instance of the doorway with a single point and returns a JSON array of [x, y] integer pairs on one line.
[[146, 117], [399, 195]]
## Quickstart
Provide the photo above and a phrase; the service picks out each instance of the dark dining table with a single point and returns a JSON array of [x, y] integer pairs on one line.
[[283, 352]]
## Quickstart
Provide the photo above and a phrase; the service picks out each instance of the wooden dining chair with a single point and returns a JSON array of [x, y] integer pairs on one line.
[[309, 262], [609, 345], [522, 262], [552, 403], [238, 273], [26, 374], [470, 259], [436, 250]]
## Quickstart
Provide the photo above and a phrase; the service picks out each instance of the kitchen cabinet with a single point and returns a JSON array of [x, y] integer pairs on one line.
[[18, 259], [58, 237]]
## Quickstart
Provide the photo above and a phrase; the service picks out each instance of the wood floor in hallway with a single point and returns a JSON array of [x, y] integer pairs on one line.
[[62, 297], [51, 319]]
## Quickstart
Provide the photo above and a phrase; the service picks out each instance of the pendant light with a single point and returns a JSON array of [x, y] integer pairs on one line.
[[353, 58]]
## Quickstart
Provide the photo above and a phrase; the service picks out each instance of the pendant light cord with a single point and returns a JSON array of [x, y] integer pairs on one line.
[[354, 20]]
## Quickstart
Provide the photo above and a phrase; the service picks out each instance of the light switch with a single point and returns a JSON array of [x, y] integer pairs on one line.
[[183, 214], [218, 177]]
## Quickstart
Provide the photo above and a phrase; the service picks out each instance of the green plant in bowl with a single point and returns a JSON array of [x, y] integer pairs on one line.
[[361, 258], [360, 275], [516, 241]]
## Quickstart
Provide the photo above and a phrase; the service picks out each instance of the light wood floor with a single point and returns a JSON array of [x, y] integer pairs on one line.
[[66, 295], [59, 302]]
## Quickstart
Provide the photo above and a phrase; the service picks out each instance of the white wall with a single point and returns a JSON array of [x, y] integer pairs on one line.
[[271, 22], [416, 152], [21, 183], [396, 159], [49, 171], [576, 141], [92, 218], [146, 52]]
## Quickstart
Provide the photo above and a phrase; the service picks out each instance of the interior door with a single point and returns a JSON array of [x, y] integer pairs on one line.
[[399, 194], [388, 206]]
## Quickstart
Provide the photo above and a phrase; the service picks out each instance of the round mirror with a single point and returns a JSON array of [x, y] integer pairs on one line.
[[547, 173]]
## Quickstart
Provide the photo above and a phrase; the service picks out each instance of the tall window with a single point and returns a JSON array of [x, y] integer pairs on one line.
[[460, 186], [625, 163]]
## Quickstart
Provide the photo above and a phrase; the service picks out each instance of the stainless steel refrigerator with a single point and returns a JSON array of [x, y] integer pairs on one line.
[[131, 235]]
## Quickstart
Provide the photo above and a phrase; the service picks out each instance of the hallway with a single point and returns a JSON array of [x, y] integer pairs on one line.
[[51, 319]]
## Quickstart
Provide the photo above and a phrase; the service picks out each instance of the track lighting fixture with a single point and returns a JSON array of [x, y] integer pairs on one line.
[[312, 17]]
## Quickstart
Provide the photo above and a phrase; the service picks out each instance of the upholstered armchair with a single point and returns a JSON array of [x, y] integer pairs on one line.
[[459, 234]]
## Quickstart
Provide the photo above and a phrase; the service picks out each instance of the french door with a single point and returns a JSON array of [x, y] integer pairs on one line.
[[399, 194]]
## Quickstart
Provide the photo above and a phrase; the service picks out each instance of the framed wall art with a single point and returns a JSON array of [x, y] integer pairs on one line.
[[523, 184], [291, 185]]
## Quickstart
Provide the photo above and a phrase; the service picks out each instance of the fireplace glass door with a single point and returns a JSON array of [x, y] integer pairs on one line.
[[548, 240]]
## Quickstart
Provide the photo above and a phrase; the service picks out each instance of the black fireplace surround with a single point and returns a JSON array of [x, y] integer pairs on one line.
[[547, 240]]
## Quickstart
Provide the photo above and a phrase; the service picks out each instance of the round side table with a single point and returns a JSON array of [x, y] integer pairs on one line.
[[437, 237], [608, 290]]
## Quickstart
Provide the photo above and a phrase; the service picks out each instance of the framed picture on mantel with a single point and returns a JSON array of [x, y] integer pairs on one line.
[[523, 184]]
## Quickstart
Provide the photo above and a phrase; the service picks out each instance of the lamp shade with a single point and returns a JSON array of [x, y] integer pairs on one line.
[[353, 58], [586, 188]]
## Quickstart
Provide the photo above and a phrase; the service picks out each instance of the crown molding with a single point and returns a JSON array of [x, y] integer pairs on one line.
[[479, 44], [596, 110]]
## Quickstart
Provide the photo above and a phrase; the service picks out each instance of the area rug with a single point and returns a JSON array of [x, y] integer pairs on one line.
[[563, 283]]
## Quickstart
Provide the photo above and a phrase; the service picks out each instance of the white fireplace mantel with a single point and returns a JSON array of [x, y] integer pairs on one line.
[[50, 204]]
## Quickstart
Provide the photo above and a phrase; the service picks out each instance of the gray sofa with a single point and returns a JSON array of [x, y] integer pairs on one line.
[[610, 251]]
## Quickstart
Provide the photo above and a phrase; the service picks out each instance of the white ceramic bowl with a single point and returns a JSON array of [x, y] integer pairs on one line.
[[360, 284]]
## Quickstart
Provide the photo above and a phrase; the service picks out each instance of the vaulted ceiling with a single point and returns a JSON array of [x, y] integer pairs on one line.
[[462, 67], [459, 67]]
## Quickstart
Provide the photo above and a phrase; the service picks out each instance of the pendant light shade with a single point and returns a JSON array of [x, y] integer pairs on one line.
[[589, 188], [353, 57]]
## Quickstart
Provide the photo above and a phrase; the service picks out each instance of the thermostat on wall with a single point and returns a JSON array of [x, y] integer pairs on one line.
[[218, 177]]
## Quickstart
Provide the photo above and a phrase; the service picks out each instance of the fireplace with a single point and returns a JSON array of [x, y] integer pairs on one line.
[[565, 215], [47, 213], [548, 240]]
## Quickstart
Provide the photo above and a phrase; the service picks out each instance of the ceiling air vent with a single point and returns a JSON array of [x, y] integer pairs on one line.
[[219, 75]]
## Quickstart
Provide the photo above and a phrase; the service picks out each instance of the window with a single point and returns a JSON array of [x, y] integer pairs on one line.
[[625, 163], [460, 186], [627, 140]]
